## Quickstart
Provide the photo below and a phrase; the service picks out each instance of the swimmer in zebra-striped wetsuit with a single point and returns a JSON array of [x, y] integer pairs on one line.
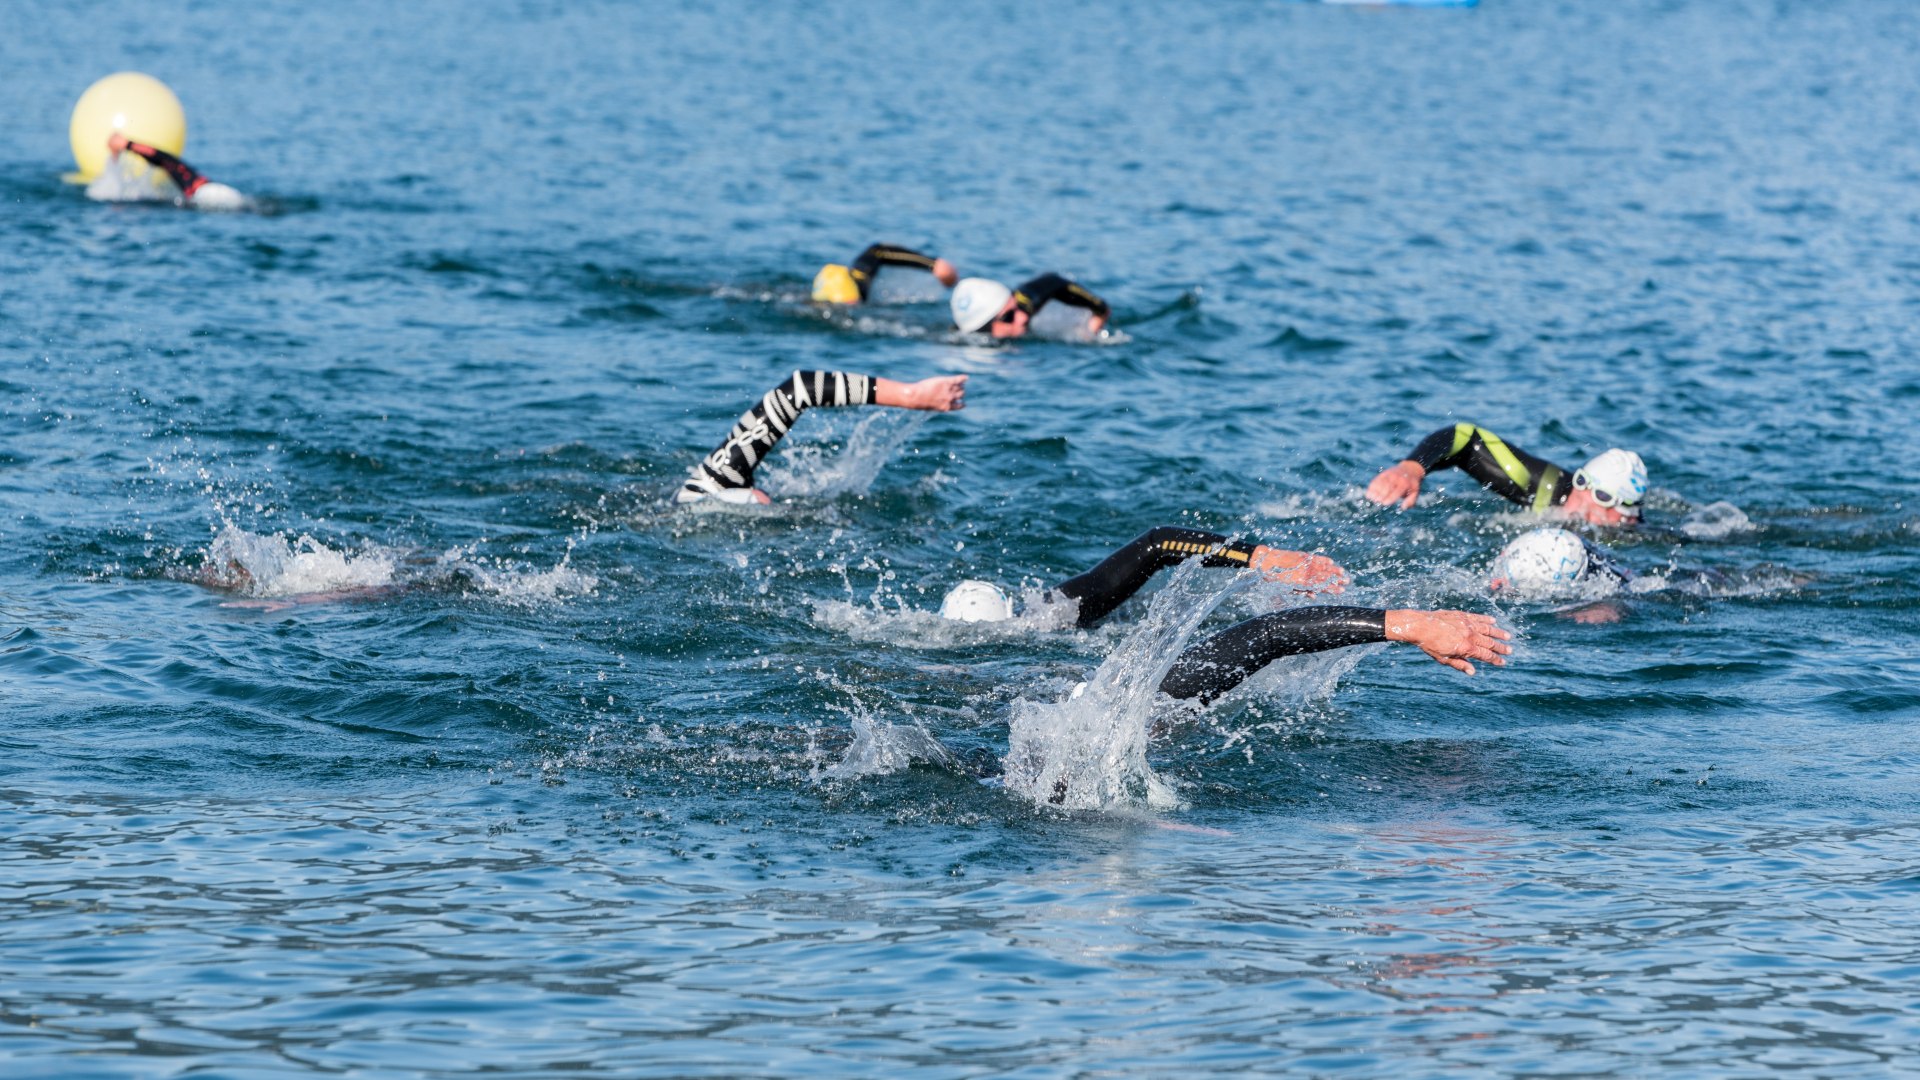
[[1213, 667], [727, 473], [1605, 491]]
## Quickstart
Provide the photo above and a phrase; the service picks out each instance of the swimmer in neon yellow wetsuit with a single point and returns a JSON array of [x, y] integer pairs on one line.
[[195, 190], [727, 473], [1605, 491], [836, 284], [983, 305]]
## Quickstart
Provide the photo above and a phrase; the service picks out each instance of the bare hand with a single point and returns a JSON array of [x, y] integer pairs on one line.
[[1309, 573], [1400, 483], [1452, 637], [1096, 323], [942, 393], [944, 272], [116, 142]]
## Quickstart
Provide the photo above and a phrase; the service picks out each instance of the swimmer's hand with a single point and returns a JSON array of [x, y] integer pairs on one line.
[[116, 142], [942, 393], [1398, 484], [1451, 637], [1095, 323], [944, 273], [1308, 573]]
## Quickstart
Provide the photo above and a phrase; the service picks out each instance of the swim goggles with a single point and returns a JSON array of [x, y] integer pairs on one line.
[[1605, 499]]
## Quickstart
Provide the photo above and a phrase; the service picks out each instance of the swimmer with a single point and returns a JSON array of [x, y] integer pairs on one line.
[[981, 304], [1222, 662], [1549, 561], [1605, 491], [837, 284], [195, 190], [727, 473]]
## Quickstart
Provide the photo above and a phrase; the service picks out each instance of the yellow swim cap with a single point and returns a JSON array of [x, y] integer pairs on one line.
[[138, 106], [834, 285]]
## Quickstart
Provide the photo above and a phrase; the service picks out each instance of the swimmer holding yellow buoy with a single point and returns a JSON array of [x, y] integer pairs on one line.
[[130, 111]]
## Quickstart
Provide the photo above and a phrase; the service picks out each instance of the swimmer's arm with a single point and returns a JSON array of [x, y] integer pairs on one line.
[[1502, 468], [181, 173], [878, 255], [941, 393], [1047, 288]]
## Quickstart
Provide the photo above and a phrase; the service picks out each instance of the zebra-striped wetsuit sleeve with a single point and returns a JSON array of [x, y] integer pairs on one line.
[[730, 466]]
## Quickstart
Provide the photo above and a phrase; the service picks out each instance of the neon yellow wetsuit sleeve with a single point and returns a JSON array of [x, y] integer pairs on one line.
[[1506, 470]]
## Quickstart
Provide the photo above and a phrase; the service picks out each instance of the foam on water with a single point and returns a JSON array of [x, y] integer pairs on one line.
[[815, 470], [1716, 521], [128, 178], [279, 566]]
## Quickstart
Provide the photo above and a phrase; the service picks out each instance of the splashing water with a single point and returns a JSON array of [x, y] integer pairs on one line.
[[1716, 521], [274, 566], [1089, 752], [816, 470], [128, 178]]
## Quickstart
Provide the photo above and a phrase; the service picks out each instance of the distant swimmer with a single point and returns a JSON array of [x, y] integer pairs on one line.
[[196, 191], [837, 284], [981, 304], [727, 473], [1605, 491], [1222, 662]]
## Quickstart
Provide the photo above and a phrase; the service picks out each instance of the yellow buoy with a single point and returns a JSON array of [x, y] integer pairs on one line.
[[139, 106]]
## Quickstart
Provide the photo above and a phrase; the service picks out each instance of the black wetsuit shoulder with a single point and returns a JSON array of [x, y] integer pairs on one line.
[[1033, 295], [868, 263], [1229, 658], [1127, 571], [1504, 469]]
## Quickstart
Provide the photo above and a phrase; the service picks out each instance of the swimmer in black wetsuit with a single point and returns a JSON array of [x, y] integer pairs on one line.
[[1605, 491], [836, 284], [981, 304], [727, 473], [195, 190], [1225, 660]]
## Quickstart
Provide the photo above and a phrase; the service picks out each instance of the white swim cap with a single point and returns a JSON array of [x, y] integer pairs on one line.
[[976, 601], [1617, 478], [216, 196], [1541, 560], [976, 301]]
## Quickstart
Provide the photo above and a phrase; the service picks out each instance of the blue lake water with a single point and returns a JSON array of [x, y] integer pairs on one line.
[[585, 784]]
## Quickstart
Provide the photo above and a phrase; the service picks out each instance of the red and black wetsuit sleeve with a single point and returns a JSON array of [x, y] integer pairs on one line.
[[760, 428], [1506, 470], [182, 173], [878, 255], [1227, 659], [1046, 288], [1128, 570]]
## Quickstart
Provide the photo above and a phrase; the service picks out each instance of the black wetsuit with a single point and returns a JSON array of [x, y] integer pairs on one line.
[[731, 465], [184, 175], [1225, 660], [876, 256], [1043, 290], [1507, 471]]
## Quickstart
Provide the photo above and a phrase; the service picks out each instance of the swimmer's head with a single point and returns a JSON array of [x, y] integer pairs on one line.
[[1541, 562], [834, 284], [977, 601], [1608, 490], [976, 301]]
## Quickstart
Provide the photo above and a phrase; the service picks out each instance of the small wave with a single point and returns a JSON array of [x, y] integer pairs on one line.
[[880, 748], [1716, 521], [928, 629], [277, 566]]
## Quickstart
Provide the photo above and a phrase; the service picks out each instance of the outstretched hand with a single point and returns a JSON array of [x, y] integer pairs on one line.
[[942, 393], [944, 273], [1452, 637], [117, 142], [1397, 484], [1307, 573]]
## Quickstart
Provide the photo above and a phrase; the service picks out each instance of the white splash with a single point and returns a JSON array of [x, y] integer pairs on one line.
[[274, 566], [1090, 750], [1716, 521], [128, 178], [817, 470], [880, 748]]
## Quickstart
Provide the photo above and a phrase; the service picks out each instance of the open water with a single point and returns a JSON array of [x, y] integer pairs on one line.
[[583, 784]]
